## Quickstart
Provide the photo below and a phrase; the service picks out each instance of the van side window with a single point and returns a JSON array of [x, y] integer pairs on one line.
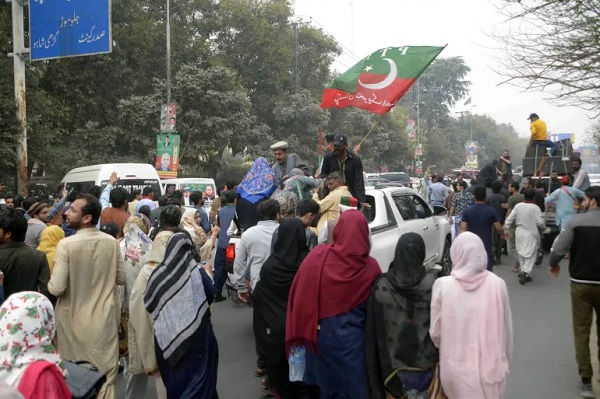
[[170, 188]]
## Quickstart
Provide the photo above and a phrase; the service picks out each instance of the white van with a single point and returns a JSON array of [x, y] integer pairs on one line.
[[132, 176], [190, 184]]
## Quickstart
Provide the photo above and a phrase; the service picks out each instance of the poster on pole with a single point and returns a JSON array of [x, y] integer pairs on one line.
[[167, 155], [419, 168], [168, 118], [419, 150], [411, 131], [471, 150], [65, 28]]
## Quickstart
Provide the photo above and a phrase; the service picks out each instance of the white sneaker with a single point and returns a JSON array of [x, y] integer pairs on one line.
[[586, 391]]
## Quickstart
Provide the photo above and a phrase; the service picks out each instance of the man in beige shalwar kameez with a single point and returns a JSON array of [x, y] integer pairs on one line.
[[87, 269]]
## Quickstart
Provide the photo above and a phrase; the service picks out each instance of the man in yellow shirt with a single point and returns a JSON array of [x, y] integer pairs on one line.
[[329, 207], [539, 134]]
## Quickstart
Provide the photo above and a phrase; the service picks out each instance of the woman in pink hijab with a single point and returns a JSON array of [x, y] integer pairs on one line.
[[471, 324]]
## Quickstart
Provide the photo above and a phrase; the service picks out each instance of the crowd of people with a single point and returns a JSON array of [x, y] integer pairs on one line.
[[112, 277]]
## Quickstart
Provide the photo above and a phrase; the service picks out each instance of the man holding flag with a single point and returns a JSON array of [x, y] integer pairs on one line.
[[349, 165]]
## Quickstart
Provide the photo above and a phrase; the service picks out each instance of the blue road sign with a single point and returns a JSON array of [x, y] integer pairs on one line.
[[67, 28]]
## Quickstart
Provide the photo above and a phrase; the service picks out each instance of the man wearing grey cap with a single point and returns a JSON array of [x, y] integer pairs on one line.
[[284, 162], [347, 162]]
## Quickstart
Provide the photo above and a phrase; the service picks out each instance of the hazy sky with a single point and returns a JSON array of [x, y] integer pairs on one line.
[[363, 26]]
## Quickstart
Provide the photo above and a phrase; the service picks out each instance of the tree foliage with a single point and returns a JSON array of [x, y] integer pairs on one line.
[[553, 46], [244, 74], [439, 88]]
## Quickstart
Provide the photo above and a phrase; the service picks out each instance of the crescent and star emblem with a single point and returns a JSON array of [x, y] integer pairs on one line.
[[389, 79]]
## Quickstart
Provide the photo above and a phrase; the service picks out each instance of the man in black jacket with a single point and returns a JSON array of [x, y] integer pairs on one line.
[[347, 162], [24, 268], [580, 237]]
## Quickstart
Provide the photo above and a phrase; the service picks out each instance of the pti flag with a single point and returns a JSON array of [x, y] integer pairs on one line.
[[378, 81], [167, 155]]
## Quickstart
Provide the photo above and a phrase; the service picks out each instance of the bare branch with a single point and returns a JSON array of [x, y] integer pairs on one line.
[[552, 46]]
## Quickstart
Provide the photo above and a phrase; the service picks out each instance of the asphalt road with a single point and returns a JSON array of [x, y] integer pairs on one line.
[[543, 365]]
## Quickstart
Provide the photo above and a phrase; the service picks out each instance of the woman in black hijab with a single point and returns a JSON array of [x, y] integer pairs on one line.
[[400, 354], [270, 299]]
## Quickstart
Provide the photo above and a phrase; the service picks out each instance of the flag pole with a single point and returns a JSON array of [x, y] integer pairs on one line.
[[372, 128]]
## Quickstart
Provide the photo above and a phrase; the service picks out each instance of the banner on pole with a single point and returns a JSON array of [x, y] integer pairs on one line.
[[168, 118], [419, 150], [411, 131], [167, 155], [471, 150]]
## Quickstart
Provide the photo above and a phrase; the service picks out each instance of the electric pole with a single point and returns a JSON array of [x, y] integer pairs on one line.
[[19, 55]]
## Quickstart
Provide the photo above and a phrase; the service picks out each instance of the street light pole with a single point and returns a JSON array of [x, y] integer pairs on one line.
[[168, 53], [19, 53]]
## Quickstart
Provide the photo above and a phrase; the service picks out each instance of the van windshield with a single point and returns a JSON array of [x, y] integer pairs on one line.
[[136, 184]]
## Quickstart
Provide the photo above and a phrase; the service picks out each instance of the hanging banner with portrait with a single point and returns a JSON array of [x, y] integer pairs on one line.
[[471, 150], [168, 118], [167, 155]]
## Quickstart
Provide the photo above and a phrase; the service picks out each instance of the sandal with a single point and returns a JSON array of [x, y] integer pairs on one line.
[[260, 372], [267, 388], [515, 270]]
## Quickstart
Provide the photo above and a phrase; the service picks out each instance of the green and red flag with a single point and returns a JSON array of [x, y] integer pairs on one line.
[[378, 81]]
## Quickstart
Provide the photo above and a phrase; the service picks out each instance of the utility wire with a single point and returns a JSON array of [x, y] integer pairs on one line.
[[350, 52]]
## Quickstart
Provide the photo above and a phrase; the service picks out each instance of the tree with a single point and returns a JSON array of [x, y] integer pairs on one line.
[[593, 133], [316, 53], [387, 145], [214, 114], [553, 46], [299, 119], [8, 119], [439, 88]]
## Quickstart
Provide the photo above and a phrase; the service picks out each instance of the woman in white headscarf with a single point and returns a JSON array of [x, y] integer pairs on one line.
[[471, 324], [29, 360], [190, 222], [134, 247]]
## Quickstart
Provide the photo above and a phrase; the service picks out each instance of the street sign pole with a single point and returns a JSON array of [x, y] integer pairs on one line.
[[19, 54]]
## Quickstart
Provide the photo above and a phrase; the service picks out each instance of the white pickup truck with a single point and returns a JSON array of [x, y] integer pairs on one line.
[[395, 211], [398, 210]]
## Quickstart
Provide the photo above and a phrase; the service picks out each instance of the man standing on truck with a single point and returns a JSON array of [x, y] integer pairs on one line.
[[554, 182], [284, 162], [539, 135], [505, 165], [349, 164], [580, 236], [580, 176]]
